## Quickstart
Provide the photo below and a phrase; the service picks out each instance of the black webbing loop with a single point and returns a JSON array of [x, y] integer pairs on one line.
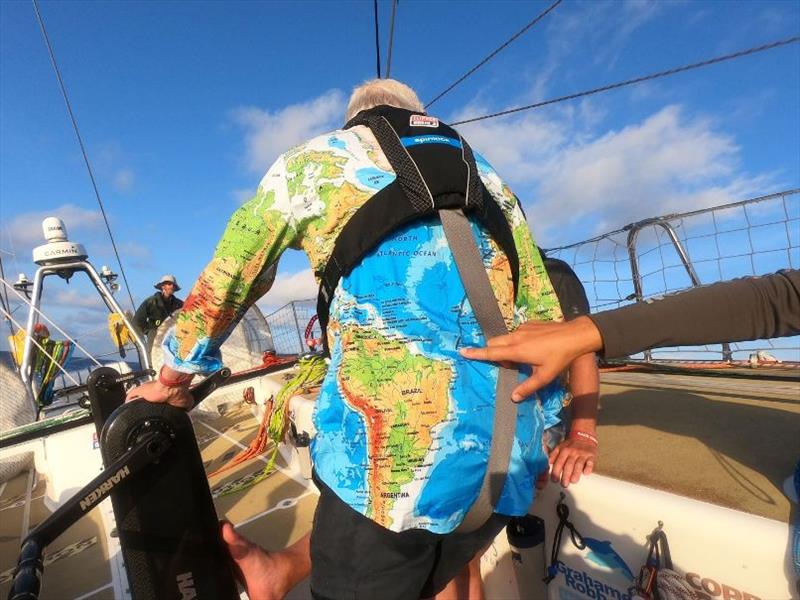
[[408, 175], [474, 197], [659, 555], [562, 510]]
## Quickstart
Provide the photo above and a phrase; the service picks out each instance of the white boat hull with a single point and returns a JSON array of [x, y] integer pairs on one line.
[[722, 553]]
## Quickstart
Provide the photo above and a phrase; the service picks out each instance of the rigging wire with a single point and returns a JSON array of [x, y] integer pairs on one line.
[[377, 40], [13, 252], [651, 76], [496, 51], [6, 305], [391, 39], [83, 148], [8, 286]]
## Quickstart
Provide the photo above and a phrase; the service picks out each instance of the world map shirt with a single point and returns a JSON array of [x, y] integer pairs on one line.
[[404, 423]]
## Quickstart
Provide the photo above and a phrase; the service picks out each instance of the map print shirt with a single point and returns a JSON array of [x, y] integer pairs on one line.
[[404, 423]]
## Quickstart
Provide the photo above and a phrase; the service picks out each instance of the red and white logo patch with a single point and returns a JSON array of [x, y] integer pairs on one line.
[[423, 121]]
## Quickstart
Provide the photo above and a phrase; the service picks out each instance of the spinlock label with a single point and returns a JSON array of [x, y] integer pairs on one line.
[[423, 121]]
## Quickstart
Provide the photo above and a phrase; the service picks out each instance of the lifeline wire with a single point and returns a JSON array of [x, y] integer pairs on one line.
[[4, 297], [83, 149], [497, 51], [613, 86], [377, 40], [49, 320]]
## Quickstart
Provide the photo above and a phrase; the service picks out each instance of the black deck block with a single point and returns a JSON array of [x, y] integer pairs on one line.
[[165, 514], [106, 394]]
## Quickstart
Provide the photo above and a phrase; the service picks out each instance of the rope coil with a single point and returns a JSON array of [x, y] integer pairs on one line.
[[275, 422]]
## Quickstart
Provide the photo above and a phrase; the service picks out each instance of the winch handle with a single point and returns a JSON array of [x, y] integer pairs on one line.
[[203, 389], [27, 578]]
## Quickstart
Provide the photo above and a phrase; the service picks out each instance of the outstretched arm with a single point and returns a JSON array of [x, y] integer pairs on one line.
[[737, 310], [240, 272], [749, 308], [547, 346]]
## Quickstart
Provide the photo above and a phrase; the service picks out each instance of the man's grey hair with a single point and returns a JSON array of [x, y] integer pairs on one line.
[[382, 91]]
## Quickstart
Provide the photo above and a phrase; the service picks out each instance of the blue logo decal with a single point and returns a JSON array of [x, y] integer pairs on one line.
[[601, 553], [430, 139]]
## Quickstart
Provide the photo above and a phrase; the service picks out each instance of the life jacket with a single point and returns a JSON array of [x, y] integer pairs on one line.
[[436, 174], [435, 170]]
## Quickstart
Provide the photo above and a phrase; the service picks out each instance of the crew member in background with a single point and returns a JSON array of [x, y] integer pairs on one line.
[[155, 309]]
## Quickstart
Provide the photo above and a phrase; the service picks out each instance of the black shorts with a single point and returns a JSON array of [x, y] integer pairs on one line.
[[354, 558]]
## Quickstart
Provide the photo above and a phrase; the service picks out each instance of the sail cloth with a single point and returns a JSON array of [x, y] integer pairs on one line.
[[44, 369], [15, 410], [17, 344], [119, 332]]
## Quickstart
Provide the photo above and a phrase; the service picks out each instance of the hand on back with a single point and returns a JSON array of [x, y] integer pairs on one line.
[[549, 347]]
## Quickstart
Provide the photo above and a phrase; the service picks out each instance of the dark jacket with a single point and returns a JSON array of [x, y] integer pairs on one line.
[[750, 308], [152, 312], [568, 288]]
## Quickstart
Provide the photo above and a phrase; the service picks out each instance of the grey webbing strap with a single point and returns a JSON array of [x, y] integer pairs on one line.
[[481, 297], [458, 232]]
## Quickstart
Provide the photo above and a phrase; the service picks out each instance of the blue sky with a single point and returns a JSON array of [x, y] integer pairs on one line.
[[183, 106]]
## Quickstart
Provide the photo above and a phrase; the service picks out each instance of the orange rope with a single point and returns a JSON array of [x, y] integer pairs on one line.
[[259, 443]]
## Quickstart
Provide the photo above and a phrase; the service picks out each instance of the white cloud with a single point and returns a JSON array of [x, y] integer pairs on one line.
[[268, 134], [124, 180], [667, 163], [515, 146], [133, 254], [111, 163], [566, 169], [288, 287], [242, 195], [605, 27], [135, 250], [75, 299], [25, 229]]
